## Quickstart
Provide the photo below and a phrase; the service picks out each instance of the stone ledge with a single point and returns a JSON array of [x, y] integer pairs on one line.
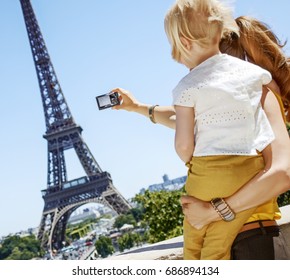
[[171, 249]]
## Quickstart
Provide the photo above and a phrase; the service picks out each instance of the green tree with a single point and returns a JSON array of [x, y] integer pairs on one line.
[[129, 240], [288, 127], [104, 246], [126, 241], [124, 219], [20, 248], [15, 254], [137, 214], [284, 199], [163, 213]]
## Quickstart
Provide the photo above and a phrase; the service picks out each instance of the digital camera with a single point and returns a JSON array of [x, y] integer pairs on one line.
[[108, 100]]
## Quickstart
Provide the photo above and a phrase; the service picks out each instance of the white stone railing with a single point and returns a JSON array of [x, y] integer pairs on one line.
[[172, 249]]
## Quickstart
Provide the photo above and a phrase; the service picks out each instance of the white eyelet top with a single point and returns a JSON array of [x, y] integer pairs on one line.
[[225, 93]]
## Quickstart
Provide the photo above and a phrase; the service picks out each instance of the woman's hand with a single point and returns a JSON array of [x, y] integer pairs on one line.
[[197, 212], [127, 100], [164, 115]]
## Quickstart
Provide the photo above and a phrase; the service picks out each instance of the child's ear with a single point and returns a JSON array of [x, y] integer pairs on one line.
[[186, 43]]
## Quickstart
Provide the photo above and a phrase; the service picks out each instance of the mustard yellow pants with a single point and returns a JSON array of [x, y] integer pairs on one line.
[[210, 177]]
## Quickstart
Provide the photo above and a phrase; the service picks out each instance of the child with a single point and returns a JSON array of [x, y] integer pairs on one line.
[[221, 128]]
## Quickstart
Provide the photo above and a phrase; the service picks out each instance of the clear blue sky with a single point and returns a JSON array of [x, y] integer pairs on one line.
[[94, 46]]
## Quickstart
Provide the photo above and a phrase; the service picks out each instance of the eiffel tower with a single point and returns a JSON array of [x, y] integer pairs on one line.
[[62, 197]]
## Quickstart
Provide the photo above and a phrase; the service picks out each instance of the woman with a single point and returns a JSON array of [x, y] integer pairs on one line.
[[260, 46]]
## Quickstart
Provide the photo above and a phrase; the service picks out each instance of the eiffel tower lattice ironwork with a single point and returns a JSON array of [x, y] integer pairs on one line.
[[62, 197]]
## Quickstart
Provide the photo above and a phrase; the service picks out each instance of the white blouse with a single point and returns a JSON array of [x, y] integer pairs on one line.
[[225, 92]]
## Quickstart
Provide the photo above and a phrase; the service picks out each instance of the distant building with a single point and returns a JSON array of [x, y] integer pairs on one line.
[[22, 233], [167, 184], [88, 213]]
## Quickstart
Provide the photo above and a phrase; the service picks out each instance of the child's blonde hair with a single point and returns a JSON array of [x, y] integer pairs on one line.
[[200, 21]]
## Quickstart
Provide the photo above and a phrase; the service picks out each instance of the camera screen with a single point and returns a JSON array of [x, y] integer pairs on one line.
[[104, 100], [108, 100]]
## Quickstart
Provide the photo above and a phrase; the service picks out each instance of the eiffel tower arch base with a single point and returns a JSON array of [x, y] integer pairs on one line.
[[54, 220]]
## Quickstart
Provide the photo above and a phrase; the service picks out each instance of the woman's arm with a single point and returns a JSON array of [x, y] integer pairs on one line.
[[276, 180], [268, 184], [164, 115]]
